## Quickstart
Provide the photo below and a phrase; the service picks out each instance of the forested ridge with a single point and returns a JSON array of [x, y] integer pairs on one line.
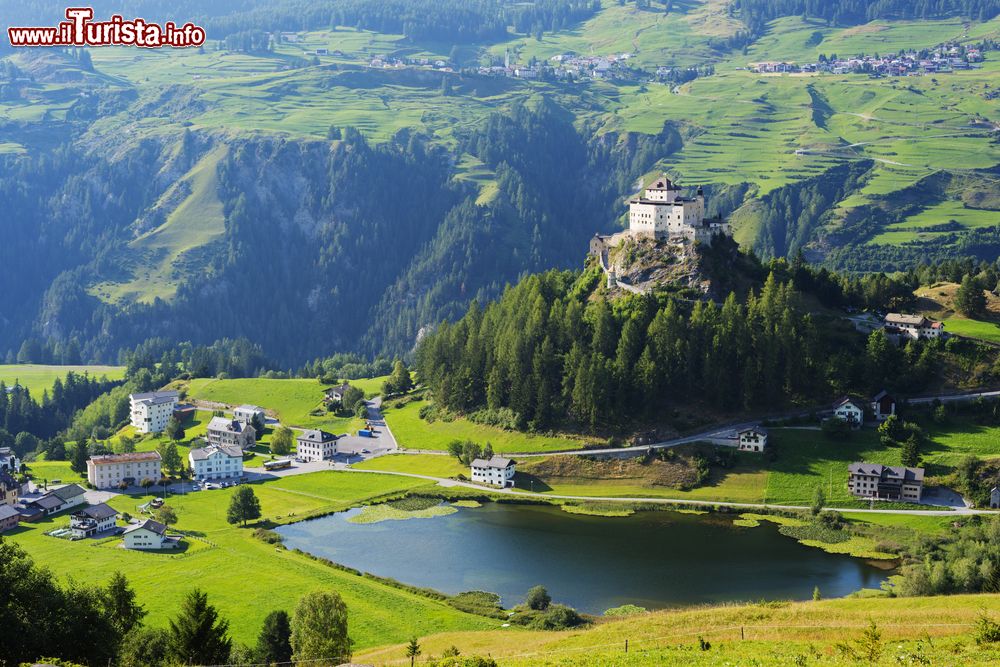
[[454, 21], [350, 244], [552, 351]]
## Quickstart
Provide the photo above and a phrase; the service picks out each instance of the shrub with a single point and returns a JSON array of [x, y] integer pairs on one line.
[[269, 536], [538, 599], [987, 630], [625, 610]]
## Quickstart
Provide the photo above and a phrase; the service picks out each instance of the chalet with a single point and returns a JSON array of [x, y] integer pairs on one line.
[[216, 462], [752, 439], [883, 405], [9, 460], [316, 445], [336, 394], [850, 411], [151, 411], [915, 327], [92, 520], [498, 471], [245, 414], [148, 534], [995, 497], [878, 482], [108, 471], [9, 489], [9, 518], [71, 495], [230, 432]]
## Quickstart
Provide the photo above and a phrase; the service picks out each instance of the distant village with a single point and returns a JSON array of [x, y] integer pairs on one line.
[[942, 59]]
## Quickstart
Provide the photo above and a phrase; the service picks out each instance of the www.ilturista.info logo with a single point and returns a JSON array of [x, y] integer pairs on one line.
[[81, 30]]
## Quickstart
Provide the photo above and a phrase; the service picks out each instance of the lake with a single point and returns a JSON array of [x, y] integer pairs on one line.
[[652, 559]]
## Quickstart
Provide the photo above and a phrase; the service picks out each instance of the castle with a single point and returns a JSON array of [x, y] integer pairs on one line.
[[662, 213]]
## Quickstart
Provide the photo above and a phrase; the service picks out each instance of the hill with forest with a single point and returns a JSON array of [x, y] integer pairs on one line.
[[355, 172]]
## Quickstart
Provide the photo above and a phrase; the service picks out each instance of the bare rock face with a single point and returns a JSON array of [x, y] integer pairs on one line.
[[647, 264]]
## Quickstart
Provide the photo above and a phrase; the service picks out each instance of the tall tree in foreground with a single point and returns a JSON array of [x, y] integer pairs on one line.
[[970, 300], [198, 636], [243, 507], [319, 629], [121, 605], [79, 461], [412, 650], [281, 441], [274, 644]]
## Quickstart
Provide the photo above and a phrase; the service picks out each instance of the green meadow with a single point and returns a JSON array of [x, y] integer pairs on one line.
[[295, 402], [37, 377], [246, 578], [412, 432]]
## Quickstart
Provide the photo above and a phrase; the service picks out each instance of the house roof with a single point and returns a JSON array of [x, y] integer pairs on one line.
[[68, 492], [131, 457], [49, 501], [226, 424], [899, 473], [339, 389], [495, 462], [316, 436], [97, 512], [883, 394], [754, 429], [7, 511], [906, 320], [662, 184], [155, 396], [203, 453], [148, 524], [847, 401]]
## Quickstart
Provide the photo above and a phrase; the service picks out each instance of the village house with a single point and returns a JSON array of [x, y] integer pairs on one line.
[[92, 520], [498, 471], [883, 405], [222, 431], [148, 534], [9, 489], [216, 462], [245, 414], [316, 445], [850, 411], [753, 439], [9, 460], [56, 500], [151, 411], [108, 471], [995, 497], [9, 518], [879, 482], [336, 394], [915, 327]]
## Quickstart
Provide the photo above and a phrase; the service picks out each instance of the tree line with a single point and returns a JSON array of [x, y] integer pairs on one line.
[[551, 353]]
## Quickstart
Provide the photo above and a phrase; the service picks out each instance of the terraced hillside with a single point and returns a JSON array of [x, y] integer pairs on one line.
[[861, 173]]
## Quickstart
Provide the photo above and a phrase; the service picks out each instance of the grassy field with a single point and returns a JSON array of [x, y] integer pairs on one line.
[[412, 432], [225, 560], [805, 459], [296, 402], [434, 465], [914, 631], [157, 258], [37, 378]]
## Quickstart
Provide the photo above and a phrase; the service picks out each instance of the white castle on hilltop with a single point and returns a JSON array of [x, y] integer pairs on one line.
[[662, 213]]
